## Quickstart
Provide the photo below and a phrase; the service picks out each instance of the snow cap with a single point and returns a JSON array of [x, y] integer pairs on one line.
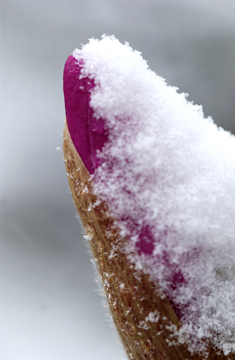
[[167, 174]]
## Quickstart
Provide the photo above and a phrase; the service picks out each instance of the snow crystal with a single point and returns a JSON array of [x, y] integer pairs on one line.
[[153, 316], [167, 172]]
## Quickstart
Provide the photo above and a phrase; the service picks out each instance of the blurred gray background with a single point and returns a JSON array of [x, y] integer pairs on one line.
[[50, 305]]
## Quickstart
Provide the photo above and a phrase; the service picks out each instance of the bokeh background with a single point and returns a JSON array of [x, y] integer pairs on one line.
[[50, 306]]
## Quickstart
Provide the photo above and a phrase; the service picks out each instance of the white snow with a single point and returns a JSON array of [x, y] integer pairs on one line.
[[167, 168]]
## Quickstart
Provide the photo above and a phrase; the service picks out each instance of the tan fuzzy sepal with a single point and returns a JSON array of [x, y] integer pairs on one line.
[[144, 318]]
